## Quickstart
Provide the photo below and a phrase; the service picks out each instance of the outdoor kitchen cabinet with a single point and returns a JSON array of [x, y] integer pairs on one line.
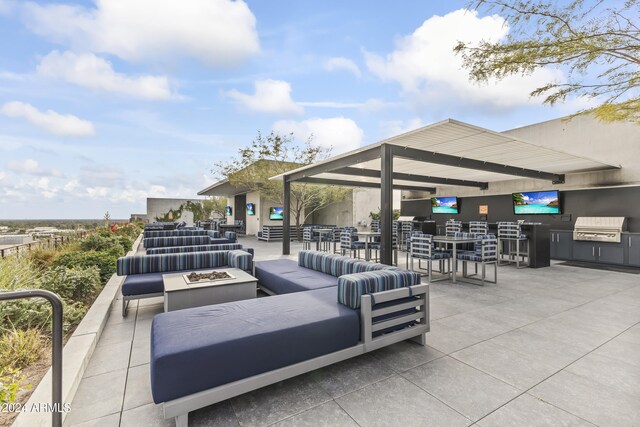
[[561, 244], [633, 246], [608, 253]]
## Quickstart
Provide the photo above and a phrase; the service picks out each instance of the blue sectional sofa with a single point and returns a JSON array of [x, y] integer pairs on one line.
[[144, 272], [283, 276], [212, 238], [325, 308]]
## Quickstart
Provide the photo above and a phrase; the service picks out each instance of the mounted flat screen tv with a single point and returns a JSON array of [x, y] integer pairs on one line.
[[444, 205], [536, 203], [276, 214], [251, 209], [228, 211]]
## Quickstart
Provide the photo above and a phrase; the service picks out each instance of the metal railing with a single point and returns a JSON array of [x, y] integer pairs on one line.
[[56, 348]]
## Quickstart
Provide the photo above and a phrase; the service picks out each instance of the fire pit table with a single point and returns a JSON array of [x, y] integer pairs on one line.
[[206, 287]]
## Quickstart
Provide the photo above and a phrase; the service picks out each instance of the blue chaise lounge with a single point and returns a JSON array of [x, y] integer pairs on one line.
[[204, 355]]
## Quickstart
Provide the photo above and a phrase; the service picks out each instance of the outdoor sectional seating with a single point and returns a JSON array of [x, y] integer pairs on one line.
[[204, 355], [170, 241], [144, 272]]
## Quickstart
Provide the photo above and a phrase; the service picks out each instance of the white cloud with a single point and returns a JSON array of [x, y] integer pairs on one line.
[[429, 71], [217, 32], [31, 167], [271, 96], [340, 63], [71, 186], [91, 71], [339, 133], [397, 127], [56, 123]]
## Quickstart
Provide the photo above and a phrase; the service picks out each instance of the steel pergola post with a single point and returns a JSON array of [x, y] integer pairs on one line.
[[386, 204]]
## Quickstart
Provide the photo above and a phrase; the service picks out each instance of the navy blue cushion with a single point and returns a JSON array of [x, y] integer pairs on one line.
[[284, 276], [200, 348], [150, 283], [141, 284]]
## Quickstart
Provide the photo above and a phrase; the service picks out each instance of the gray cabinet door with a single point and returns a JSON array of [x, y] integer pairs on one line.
[[634, 250], [564, 245], [584, 251], [610, 253], [553, 249]]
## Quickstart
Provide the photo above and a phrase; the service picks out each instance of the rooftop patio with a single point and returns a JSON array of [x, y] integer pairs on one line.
[[542, 347]]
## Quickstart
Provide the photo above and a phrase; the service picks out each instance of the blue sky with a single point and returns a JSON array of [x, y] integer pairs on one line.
[[106, 102]]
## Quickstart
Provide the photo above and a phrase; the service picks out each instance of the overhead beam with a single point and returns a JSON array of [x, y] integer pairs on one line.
[[372, 173], [340, 162], [345, 183], [462, 162]]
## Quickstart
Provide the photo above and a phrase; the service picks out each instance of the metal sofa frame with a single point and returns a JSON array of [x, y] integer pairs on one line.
[[179, 408]]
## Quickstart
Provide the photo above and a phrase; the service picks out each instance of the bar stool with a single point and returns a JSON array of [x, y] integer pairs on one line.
[[511, 233]]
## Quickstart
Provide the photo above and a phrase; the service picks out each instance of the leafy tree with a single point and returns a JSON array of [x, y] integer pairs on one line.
[[215, 205], [273, 155], [598, 43]]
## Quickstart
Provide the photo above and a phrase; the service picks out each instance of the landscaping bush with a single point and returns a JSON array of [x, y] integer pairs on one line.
[[73, 285], [20, 348], [104, 261], [99, 242], [10, 384], [36, 314], [43, 258]]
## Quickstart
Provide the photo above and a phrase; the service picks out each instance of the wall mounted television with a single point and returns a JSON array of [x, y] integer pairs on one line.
[[228, 211], [276, 214], [536, 203], [445, 205], [251, 209]]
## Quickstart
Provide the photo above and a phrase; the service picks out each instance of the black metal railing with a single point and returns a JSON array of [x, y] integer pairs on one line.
[[56, 350]]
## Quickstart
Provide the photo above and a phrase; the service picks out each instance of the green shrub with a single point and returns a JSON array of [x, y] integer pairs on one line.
[[36, 314], [104, 261], [73, 285], [10, 382], [18, 273], [43, 258], [126, 243], [18, 348], [98, 242]]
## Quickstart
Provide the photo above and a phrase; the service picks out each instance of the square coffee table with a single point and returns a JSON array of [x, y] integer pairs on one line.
[[179, 294]]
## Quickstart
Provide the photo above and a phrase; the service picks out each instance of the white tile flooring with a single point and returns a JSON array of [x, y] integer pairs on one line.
[[545, 347]]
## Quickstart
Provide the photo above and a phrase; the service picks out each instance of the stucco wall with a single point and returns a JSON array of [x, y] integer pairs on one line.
[[354, 209], [253, 221]]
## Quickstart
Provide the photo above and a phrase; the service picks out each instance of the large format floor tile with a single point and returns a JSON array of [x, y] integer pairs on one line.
[[465, 389], [589, 400], [405, 355], [517, 369], [279, 401], [328, 414], [98, 396], [350, 375], [396, 401], [529, 411]]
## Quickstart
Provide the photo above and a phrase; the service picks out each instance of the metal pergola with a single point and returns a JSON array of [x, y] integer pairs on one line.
[[395, 163]]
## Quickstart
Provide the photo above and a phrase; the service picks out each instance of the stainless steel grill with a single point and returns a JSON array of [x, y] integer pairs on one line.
[[599, 228]]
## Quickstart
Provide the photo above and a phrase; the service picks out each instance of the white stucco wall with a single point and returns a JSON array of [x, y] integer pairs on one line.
[[253, 221]]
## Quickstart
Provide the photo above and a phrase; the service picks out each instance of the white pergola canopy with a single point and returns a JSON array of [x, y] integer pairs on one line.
[[453, 138], [444, 154]]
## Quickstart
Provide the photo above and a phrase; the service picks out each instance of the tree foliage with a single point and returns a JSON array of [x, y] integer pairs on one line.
[[275, 154], [597, 43]]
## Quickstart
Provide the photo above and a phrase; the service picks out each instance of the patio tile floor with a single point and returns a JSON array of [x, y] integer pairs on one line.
[[553, 346]]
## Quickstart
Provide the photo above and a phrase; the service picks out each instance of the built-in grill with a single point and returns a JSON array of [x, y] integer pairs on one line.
[[599, 228]]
